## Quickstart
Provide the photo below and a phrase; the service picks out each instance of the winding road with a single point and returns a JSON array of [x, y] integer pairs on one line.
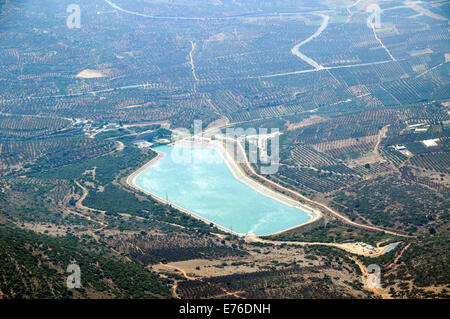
[[242, 16], [295, 49], [314, 203], [372, 25], [191, 61]]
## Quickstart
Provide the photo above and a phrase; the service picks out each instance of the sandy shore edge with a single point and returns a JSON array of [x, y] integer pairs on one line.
[[237, 173], [131, 181]]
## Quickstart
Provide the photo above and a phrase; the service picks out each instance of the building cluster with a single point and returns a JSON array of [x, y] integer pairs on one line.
[[367, 247], [142, 144], [91, 128], [420, 127]]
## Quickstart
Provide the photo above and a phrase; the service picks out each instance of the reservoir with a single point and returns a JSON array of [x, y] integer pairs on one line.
[[390, 249], [203, 184]]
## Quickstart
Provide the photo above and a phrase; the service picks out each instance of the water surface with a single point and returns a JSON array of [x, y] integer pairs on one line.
[[390, 249], [204, 185]]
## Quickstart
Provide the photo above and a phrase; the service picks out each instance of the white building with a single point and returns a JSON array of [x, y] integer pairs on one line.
[[142, 144], [430, 143]]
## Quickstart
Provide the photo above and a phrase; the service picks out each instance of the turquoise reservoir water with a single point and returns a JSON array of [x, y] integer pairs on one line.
[[204, 185], [390, 249]]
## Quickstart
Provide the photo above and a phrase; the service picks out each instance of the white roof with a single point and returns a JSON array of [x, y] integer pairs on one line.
[[415, 125], [430, 143]]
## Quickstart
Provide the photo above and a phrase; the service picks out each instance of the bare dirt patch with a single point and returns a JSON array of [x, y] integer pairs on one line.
[[258, 260], [313, 119], [420, 52], [90, 74]]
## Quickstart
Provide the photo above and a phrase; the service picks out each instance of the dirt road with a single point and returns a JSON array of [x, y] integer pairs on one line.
[[307, 200]]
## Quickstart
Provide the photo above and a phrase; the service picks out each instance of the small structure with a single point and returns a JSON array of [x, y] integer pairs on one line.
[[81, 123], [112, 126], [416, 125], [142, 144], [366, 247], [430, 143], [400, 147], [421, 127], [162, 141]]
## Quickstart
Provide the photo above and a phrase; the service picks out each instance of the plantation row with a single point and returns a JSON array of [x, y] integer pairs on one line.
[[371, 101], [377, 117], [173, 246], [393, 156], [54, 152], [409, 176], [348, 146], [304, 155], [292, 281], [320, 182], [424, 113], [24, 127], [366, 124], [353, 151], [439, 162], [374, 168], [329, 94], [386, 201], [22, 123], [404, 91], [339, 169], [179, 109], [266, 112]]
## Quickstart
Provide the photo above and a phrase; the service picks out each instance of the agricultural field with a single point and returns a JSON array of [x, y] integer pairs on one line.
[[363, 115]]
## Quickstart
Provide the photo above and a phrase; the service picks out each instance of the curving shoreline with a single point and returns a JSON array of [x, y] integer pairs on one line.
[[238, 174], [131, 181]]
